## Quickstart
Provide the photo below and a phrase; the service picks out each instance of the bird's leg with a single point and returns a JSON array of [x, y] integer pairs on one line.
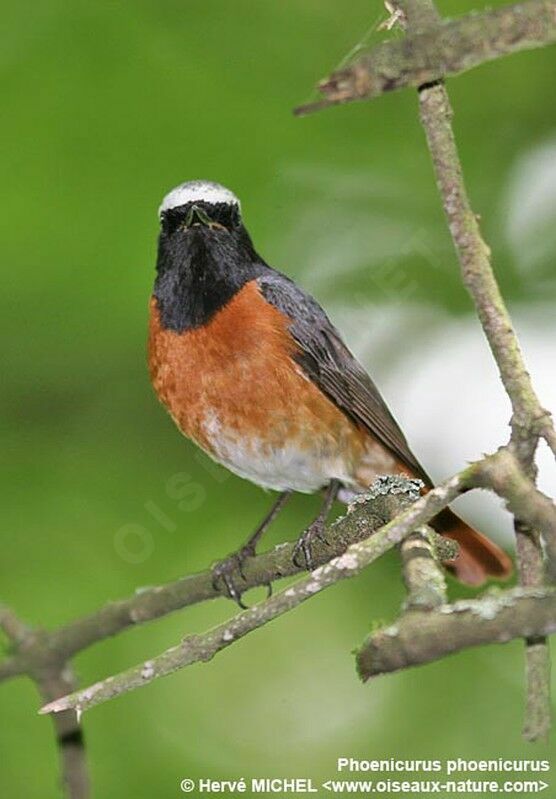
[[316, 528], [224, 570]]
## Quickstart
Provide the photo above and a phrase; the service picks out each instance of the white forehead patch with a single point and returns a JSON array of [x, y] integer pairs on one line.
[[198, 191]]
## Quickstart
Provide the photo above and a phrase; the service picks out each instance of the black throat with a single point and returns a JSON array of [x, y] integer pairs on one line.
[[200, 269]]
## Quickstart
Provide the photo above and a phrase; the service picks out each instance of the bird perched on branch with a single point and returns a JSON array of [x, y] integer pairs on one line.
[[253, 371]]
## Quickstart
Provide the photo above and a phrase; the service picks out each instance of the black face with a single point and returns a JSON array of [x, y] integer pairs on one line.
[[205, 256]]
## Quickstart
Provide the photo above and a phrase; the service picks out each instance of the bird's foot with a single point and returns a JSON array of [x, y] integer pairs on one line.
[[302, 552], [226, 572]]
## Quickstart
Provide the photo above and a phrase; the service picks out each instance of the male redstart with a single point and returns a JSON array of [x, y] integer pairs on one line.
[[252, 370]]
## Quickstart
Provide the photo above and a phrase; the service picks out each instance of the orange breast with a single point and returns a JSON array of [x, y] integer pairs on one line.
[[234, 388]]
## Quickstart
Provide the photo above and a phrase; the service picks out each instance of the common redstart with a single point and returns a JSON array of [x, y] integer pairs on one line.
[[252, 370]]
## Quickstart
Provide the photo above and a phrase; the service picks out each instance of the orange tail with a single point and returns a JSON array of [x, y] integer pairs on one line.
[[479, 558]]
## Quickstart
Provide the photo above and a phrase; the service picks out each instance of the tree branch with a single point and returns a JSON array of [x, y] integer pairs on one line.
[[69, 735], [529, 418], [158, 601], [452, 47], [55, 680], [420, 637], [433, 49], [549, 435], [531, 570], [14, 629], [502, 473], [11, 667], [381, 504], [537, 716], [474, 256], [423, 576]]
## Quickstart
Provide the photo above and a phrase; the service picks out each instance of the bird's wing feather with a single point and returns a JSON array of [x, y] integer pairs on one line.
[[327, 361]]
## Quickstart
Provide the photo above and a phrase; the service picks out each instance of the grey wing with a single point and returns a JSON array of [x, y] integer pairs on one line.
[[327, 361]]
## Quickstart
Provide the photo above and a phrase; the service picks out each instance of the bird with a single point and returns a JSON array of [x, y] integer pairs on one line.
[[251, 369]]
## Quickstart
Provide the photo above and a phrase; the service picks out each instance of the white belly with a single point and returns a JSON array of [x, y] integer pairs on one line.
[[281, 467]]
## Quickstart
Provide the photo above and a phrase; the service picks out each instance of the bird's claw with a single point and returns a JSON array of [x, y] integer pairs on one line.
[[305, 542], [225, 572]]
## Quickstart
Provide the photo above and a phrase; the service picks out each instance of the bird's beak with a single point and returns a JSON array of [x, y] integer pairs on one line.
[[198, 216]]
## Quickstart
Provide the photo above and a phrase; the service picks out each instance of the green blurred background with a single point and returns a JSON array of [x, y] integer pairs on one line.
[[106, 106]]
